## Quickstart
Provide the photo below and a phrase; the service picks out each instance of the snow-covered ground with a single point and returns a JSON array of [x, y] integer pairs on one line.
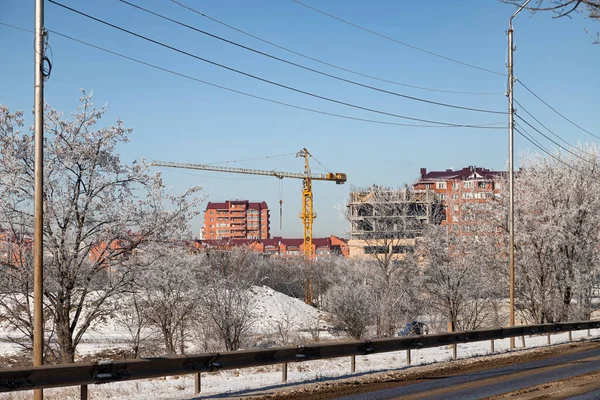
[[271, 307]]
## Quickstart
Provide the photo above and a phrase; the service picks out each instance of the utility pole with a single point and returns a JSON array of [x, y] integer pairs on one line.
[[511, 177], [38, 245]]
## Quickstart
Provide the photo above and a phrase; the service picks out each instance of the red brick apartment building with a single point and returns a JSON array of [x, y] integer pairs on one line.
[[236, 219], [470, 184]]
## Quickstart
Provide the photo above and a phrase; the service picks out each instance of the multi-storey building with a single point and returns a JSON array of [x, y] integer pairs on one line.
[[456, 188], [236, 219]]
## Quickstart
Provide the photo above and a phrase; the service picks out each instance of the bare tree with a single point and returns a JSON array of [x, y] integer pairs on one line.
[[97, 210], [564, 8], [284, 326]]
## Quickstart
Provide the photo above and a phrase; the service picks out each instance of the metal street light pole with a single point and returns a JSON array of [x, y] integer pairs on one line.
[[511, 178], [38, 245]]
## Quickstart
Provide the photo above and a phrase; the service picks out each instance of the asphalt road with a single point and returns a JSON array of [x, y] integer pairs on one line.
[[498, 381]]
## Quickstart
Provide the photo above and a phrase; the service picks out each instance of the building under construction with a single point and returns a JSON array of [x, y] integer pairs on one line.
[[386, 219]]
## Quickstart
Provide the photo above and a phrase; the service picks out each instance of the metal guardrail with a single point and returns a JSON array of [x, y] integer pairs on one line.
[[49, 376]]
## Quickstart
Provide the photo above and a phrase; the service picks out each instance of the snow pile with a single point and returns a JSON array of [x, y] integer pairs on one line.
[[273, 309]]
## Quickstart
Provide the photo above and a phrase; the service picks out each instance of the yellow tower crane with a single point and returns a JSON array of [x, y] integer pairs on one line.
[[307, 215]]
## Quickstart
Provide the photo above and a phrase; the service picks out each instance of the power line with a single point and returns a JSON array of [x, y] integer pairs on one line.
[[325, 62], [257, 77], [251, 159], [556, 111], [549, 130], [553, 141], [311, 69], [342, 116], [546, 151], [398, 41]]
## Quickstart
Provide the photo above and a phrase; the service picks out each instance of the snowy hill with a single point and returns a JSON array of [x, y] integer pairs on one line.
[[273, 309]]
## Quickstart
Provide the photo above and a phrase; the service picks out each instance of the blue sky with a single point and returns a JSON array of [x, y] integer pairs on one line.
[[175, 119]]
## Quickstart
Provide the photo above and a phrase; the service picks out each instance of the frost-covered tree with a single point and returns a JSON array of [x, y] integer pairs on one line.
[[169, 293], [352, 299], [387, 221], [557, 234], [97, 210], [465, 264], [227, 302]]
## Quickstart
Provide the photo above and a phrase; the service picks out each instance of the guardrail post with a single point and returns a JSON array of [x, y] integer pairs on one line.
[[408, 357], [549, 341], [284, 371], [197, 383], [454, 351], [353, 364], [492, 346], [83, 392], [589, 334], [453, 346], [570, 336], [523, 341]]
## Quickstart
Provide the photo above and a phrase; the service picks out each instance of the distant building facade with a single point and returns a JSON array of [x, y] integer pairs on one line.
[[331, 245], [236, 219]]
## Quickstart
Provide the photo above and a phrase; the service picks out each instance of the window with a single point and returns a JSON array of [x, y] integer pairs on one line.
[[481, 185], [428, 186], [468, 185], [402, 249], [454, 197], [455, 207], [376, 250], [454, 185], [443, 196], [440, 185]]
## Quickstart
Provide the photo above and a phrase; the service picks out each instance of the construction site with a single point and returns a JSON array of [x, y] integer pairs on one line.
[[387, 220]]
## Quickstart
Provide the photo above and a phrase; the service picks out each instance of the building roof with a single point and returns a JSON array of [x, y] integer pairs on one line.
[[466, 173], [226, 205], [275, 241]]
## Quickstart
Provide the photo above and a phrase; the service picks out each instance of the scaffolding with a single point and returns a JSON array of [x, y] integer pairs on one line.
[[378, 212]]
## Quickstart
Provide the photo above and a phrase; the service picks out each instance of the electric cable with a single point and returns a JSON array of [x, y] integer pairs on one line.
[[255, 76], [549, 130], [553, 141], [556, 111], [325, 62], [311, 69], [251, 159], [547, 152], [342, 116], [398, 41]]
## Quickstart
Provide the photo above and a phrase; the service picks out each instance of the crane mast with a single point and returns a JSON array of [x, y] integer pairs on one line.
[[307, 215]]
